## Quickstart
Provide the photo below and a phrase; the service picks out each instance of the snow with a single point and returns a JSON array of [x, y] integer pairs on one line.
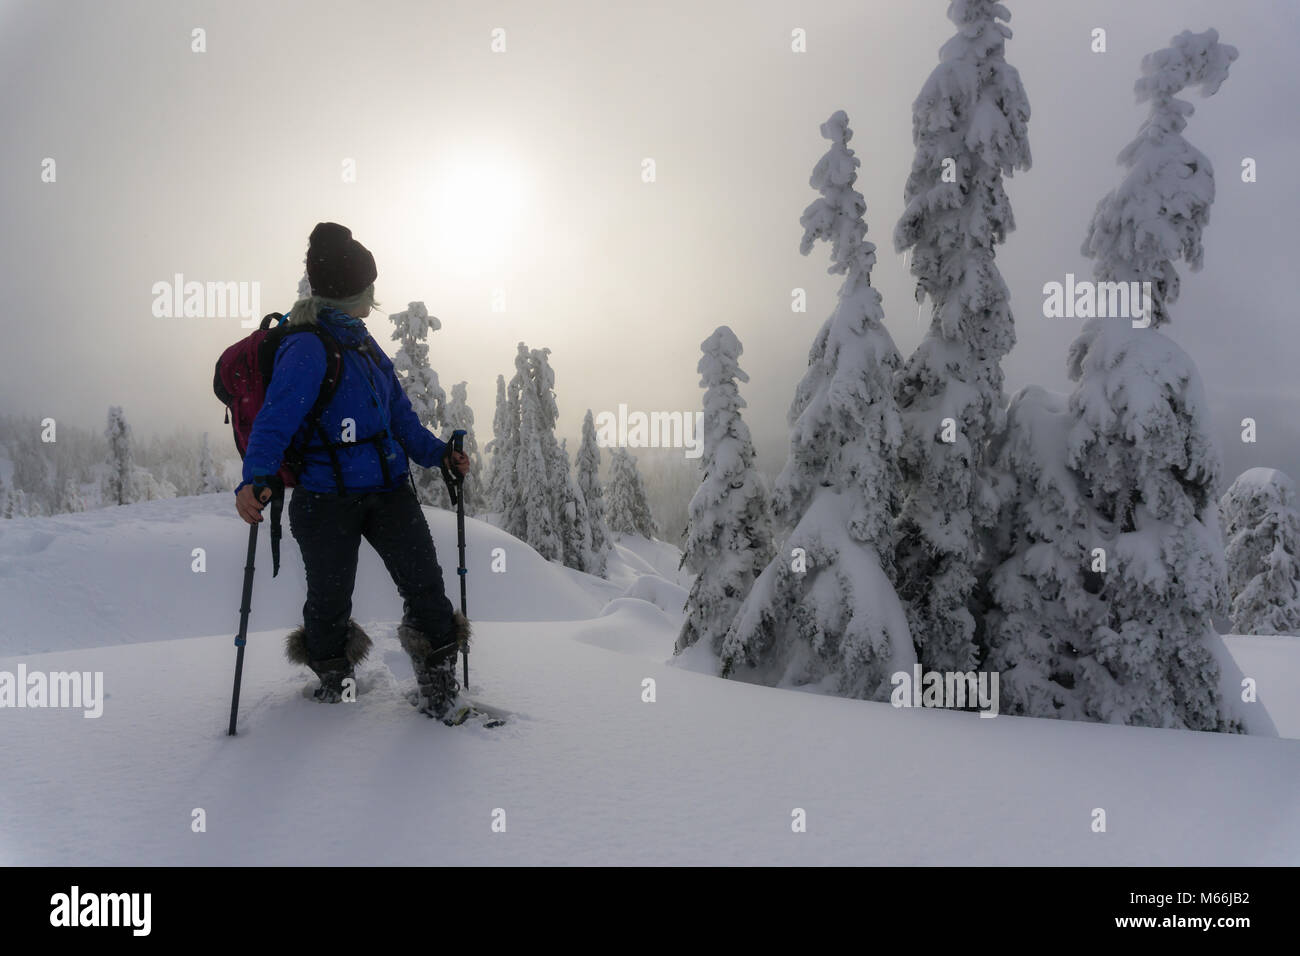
[[123, 575], [1157, 214], [587, 772]]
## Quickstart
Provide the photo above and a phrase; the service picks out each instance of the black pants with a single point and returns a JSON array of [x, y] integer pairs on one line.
[[329, 529]]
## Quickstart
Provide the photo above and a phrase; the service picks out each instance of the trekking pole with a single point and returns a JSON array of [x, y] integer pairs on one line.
[[456, 491], [246, 601], [242, 637]]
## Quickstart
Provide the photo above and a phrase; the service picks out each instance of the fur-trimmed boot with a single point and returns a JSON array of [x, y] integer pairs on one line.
[[332, 671], [434, 663]]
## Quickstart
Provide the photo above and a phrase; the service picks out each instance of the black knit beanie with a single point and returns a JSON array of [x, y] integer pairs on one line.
[[338, 267]]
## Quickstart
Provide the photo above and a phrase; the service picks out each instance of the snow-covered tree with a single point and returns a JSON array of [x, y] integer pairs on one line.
[[502, 448], [411, 328], [1140, 438], [1043, 595], [970, 128], [209, 479], [729, 537], [588, 478], [1262, 529], [514, 513], [628, 507], [70, 501], [460, 415], [575, 523], [1140, 442], [531, 500], [149, 487], [119, 479], [824, 611], [31, 463], [1157, 213], [568, 512]]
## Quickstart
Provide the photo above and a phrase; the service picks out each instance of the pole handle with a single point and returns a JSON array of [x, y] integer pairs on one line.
[[453, 479]]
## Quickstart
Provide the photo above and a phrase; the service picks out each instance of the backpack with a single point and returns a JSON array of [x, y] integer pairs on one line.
[[242, 375]]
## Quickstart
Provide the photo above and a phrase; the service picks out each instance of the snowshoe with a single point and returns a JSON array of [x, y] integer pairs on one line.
[[466, 712], [435, 670], [332, 674]]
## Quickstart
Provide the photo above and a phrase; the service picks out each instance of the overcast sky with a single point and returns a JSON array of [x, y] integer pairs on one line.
[[521, 171]]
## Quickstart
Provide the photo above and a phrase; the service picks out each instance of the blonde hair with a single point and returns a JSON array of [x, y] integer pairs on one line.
[[305, 311]]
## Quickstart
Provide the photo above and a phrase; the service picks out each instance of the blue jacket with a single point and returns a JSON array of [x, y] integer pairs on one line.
[[368, 392]]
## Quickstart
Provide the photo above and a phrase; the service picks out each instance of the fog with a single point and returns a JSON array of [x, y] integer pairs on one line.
[[515, 179]]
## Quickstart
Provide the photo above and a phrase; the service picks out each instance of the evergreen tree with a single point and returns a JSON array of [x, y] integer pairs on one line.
[[502, 448], [514, 510], [1158, 212], [823, 611], [31, 460], [970, 126], [460, 415], [728, 540], [531, 510], [575, 522], [209, 481], [1044, 593], [70, 501], [1140, 440], [588, 477], [1262, 528], [628, 506], [420, 382], [119, 480]]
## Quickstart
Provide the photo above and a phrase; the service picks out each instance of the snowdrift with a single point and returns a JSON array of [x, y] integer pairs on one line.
[[125, 575], [588, 772]]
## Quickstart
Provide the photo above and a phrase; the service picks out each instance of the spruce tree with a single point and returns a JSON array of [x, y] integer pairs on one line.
[[728, 538], [588, 478], [628, 505], [575, 523], [1043, 593], [460, 415], [1157, 214], [209, 481], [411, 328], [1262, 530], [119, 479], [970, 128], [70, 501], [1140, 440], [532, 501], [823, 612], [501, 449]]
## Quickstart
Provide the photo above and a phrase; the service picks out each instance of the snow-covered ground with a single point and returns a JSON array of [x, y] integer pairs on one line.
[[588, 772]]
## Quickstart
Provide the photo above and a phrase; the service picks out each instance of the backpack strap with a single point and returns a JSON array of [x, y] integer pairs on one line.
[[329, 385], [294, 456]]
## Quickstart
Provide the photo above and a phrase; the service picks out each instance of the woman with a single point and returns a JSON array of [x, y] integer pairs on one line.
[[354, 480]]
